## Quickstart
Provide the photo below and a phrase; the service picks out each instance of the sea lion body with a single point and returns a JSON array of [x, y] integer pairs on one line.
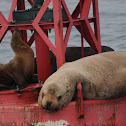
[[74, 53], [102, 77], [20, 68]]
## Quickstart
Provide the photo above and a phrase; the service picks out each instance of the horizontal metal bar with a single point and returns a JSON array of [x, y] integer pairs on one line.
[[45, 25]]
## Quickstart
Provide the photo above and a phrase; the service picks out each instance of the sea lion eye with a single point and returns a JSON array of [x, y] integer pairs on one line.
[[58, 98]]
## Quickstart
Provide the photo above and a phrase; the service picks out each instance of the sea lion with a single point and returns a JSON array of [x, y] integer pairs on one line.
[[20, 68], [102, 77], [72, 54], [6, 81]]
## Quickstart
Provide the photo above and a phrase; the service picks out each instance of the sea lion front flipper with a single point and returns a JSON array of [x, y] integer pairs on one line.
[[20, 81]]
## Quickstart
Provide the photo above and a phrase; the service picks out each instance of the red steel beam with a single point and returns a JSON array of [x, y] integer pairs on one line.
[[89, 36], [96, 44], [31, 2], [85, 9], [43, 58], [4, 26], [66, 10], [58, 26], [41, 12], [21, 6], [96, 23], [76, 11], [82, 33], [24, 35], [31, 40], [66, 38], [13, 6], [36, 26], [45, 38], [82, 41], [45, 25]]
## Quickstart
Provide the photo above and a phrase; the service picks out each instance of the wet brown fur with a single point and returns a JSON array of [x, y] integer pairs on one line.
[[22, 66]]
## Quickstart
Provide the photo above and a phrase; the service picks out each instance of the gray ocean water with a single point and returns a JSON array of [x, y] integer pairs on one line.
[[112, 26]]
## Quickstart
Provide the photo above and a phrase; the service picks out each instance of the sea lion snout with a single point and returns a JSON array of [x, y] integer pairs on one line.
[[48, 104]]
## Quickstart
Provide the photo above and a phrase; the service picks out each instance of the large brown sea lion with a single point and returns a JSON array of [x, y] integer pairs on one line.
[[21, 68], [103, 76], [72, 54]]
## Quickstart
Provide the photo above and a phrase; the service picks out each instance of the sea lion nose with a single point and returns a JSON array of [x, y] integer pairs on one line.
[[48, 104]]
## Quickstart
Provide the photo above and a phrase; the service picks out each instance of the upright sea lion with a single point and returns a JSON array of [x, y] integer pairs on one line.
[[20, 68], [103, 76]]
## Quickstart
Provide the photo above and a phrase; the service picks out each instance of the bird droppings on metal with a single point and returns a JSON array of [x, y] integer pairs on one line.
[[25, 108], [51, 123]]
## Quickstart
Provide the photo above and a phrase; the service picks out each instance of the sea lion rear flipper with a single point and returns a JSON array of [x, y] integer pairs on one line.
[[6, 81]]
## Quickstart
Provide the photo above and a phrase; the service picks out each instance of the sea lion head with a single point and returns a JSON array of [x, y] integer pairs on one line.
[[17, 44], [55, 94], [51, 97]]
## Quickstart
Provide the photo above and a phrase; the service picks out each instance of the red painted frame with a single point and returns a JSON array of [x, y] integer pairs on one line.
[[82, 24]]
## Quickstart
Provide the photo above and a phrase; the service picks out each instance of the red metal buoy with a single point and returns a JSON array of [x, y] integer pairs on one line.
[[43, 43], [21, 109]]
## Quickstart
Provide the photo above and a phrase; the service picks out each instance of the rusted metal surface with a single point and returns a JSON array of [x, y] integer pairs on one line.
[[27, 95]]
